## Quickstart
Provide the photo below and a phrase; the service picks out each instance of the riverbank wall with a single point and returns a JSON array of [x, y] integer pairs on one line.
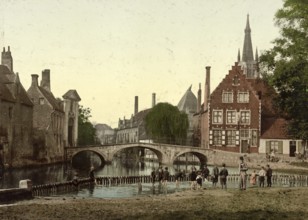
[[15, 194]]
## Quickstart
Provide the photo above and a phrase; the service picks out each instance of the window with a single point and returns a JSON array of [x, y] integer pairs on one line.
[[217, 116], [217, 137], [231, 117], [41, 101], [244, 134], [245, 117], [227, 97], [274, 146], [236, 81], [254, 137], [243, 97], [231, 137]]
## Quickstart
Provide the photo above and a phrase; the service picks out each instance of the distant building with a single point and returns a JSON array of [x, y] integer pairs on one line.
[[133, 130], [188, 105], [105, 134]]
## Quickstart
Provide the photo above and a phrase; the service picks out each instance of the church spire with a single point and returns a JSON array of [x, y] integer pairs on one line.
[[247, 49], [239, 56]]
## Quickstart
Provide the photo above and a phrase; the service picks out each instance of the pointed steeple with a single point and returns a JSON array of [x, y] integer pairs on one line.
[[239, 55], [247, 49], [257, 56]]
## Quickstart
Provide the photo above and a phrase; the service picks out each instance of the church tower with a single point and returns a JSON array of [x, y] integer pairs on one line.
[[248, 63], [6, 59]]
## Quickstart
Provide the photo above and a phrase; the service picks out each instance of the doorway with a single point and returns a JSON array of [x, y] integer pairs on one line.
[[292, 147], [244, 146]]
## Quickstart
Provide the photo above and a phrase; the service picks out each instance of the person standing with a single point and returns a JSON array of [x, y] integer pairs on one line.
[[269, 173], [223, 176], [153, 176], [262, 174], [193, 176], [253, 178], [215, 174], [243, 169], [91, 175], [205, 172], [165, 179]]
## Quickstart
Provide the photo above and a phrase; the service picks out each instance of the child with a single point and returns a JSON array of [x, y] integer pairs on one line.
[[199, 180]]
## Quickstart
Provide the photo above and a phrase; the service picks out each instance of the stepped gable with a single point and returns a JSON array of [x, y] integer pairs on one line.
[[72, 95], [274, 128], [265, 93], [188, 102], [51, 99], [227, 84]]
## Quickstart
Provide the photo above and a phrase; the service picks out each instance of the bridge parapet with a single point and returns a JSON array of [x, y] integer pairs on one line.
[[166, 153]]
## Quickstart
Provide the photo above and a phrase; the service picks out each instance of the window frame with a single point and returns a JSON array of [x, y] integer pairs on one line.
[[242, 97], [214, 117], [227, 97], [235, 117]]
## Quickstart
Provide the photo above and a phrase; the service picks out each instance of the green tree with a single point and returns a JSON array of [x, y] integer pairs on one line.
[[86, 130], [166, 123], [285, 66]]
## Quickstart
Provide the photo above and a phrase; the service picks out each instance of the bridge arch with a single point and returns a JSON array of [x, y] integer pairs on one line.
[[200, 155], [158, 153], [103, 157]]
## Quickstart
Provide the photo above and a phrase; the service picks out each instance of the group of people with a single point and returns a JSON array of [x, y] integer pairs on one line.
[[262, 174], [197, 177], [161, 175]]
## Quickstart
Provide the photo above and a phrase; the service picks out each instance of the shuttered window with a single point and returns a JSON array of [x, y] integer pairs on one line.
[[276, 146]]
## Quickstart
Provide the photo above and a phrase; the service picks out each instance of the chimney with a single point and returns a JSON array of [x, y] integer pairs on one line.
[[34, 80], [207, 87], [199, 99], [7, 59], [45, 82], [136, 105], [153, 99]]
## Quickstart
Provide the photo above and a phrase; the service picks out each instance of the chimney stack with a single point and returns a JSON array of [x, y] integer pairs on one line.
[[153, 99], [45, 82], [199, 99], [207, 87], [7, 59], [136, 105], [34, 80]]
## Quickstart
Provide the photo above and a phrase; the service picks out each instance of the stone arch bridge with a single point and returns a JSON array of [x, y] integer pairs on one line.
[[166, 153]]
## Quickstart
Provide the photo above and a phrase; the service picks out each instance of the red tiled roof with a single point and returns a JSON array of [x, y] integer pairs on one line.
[[273, 128]]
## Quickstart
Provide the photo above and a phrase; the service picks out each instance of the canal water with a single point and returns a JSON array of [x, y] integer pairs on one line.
[[65, 172]]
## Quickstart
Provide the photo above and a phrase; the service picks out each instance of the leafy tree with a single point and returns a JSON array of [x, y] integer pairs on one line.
[[166, 123], [285, 66], [86, 130]]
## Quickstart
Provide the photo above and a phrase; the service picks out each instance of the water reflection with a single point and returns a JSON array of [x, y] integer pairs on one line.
[[65, 172]]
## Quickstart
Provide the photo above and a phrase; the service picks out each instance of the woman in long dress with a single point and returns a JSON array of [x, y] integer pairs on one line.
[[253, 178]]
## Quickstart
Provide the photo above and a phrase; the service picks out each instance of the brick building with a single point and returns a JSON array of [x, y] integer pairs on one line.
[[238, 115]]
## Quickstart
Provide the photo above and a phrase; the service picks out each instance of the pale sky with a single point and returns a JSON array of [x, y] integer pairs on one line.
[[113, 50]]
